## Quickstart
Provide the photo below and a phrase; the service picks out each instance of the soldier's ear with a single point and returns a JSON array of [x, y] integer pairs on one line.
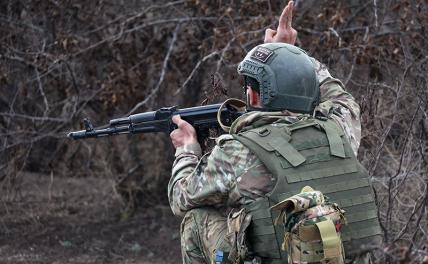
[[254, 98]]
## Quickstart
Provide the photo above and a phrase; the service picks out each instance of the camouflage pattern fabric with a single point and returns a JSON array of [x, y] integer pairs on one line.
[[300, 202], [340, 104], [231, 176], [308, 219], [203, 231]]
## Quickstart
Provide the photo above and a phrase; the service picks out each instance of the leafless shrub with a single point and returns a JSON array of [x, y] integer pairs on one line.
[[64, 60]]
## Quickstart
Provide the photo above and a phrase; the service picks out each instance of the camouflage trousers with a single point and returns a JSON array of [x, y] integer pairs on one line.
[[204, 230]]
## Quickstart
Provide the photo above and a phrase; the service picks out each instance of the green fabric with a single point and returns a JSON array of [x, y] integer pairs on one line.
[[334, 138], [262, 233], [335, 187], [344, 203], [275, 142], [312, 143], [302, 124], [287, 151], [361, 216], [329, 165], [266, 246], [263, 226], [259, 209], [362, 233], [283, 85], [317, 171]]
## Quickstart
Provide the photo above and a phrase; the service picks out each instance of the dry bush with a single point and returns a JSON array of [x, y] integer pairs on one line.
[[65, 60]]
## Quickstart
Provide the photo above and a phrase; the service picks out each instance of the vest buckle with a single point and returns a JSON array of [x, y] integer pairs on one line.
[[264, 132]]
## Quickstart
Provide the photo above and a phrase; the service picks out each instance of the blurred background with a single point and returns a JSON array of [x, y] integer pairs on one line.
[[105, 200]]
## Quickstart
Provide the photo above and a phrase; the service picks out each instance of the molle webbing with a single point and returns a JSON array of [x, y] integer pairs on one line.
[[317, 155], [263, 235]]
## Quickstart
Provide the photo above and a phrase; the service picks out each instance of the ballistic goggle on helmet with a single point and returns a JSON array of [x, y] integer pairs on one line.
[[285, 77]]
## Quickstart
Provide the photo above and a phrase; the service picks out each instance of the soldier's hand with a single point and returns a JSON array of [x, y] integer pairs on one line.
[[285, 32], [185, 134]]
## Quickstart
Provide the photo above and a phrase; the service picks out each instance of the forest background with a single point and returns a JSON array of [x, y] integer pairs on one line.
[[105, 200]]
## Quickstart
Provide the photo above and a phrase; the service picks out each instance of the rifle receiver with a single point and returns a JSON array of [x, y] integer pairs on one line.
[[120, 121]]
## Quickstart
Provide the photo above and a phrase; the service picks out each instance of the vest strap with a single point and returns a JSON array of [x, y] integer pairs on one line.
[[287, 151], [302, 124], [334, 139], [330, 240], [275, 143]]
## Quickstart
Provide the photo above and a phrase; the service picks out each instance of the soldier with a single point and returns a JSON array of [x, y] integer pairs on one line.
[[302, 129]]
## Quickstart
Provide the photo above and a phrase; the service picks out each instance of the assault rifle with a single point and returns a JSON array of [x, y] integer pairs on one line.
[[202, 118]]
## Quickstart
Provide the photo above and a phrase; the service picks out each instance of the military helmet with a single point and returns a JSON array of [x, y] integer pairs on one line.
[[286, 77]]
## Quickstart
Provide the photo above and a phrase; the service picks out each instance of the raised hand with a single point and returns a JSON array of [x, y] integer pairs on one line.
[[285, 32]]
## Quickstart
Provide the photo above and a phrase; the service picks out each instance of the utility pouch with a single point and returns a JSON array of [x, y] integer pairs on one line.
[[312, 228], [237, 223]]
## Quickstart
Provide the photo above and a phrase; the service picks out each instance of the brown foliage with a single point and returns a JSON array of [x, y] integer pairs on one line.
[[64, 60]]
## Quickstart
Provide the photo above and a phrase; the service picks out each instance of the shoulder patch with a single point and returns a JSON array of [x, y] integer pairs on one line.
[[223, 138]]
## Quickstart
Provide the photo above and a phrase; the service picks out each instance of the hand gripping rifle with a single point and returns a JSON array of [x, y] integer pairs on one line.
[[202, 118]]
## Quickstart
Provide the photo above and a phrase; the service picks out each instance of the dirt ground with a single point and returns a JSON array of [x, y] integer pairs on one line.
[[78, 220]]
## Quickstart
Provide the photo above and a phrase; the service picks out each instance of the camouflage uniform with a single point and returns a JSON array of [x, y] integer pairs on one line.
[[203, 189]]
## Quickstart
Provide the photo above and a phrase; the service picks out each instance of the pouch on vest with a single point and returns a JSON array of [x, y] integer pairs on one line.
[[237, 223], [312, 228], [237, 250]]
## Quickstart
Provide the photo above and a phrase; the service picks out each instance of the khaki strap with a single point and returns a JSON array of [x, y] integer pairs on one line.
[[330, 239], [233, 102]]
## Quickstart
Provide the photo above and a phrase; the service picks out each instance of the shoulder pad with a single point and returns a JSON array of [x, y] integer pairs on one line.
[[223, 138]]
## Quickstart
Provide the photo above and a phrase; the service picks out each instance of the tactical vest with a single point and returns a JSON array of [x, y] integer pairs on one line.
[[316, 153]]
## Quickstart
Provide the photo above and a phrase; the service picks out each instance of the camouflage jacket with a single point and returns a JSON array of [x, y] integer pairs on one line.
[[230, 175]]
